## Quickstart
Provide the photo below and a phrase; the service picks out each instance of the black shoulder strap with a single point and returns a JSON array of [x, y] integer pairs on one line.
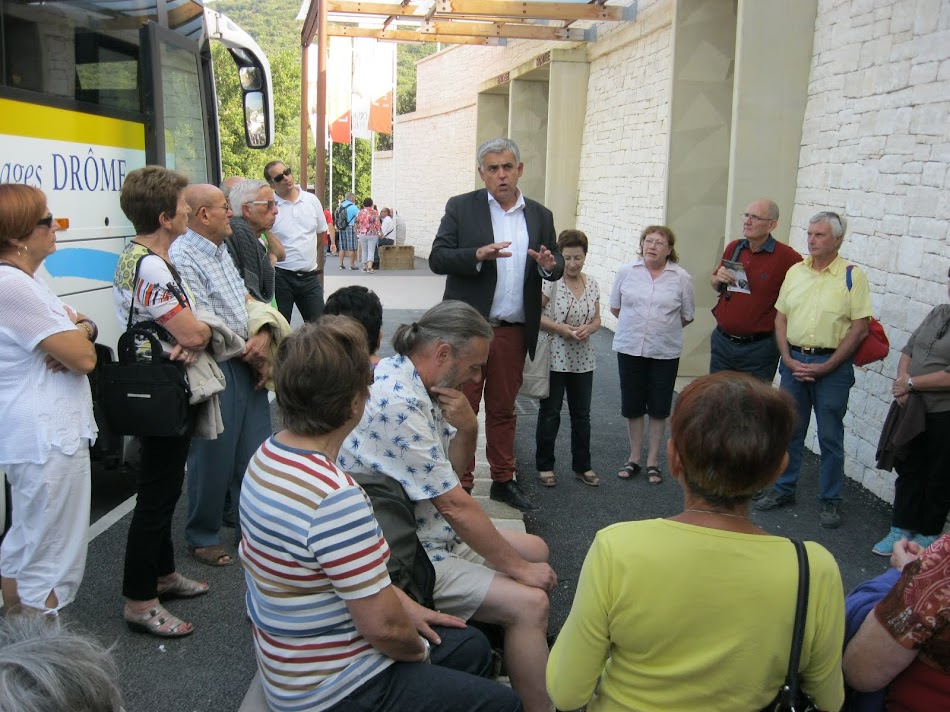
[[801, 613], [135, 284], [739, 246]]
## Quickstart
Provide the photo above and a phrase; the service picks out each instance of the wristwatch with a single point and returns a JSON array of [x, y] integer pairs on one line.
[[910, 383], [428, 647]]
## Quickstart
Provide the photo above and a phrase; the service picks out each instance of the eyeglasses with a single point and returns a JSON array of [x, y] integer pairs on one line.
[[225, 207], [47, 221], [750, 216], [655, 243], [269, 203], [285, 174]]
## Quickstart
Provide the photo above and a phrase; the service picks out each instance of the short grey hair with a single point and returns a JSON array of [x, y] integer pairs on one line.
[[244, 192], [46, 667], [451, 322], [773, 209], [837, 223], [498, 145], [350, 196]]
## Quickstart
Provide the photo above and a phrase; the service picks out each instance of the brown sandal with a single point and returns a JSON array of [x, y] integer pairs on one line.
[[211, 555], [589, 478], [631, 469], [546, 478]]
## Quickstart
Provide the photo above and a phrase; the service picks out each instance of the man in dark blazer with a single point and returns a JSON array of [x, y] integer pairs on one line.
[[495, 246]]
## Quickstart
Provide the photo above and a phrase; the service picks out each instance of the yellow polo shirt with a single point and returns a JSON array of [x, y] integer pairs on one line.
[[818, 305]]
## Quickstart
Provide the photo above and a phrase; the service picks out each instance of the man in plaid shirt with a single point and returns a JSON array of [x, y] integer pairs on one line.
[[216, 467]]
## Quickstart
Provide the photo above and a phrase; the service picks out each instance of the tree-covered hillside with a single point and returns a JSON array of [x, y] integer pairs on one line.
[[273, 26]]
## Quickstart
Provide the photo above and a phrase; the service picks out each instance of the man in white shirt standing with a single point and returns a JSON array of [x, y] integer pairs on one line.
[[301, 227]]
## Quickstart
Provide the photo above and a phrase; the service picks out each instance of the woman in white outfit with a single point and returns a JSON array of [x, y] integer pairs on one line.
[[46, 350]]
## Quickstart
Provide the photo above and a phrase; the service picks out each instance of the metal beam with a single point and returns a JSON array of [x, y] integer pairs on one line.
[[535, 10], [411, 36]]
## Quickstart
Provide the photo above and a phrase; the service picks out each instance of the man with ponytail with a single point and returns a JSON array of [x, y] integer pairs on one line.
[[419, 428]]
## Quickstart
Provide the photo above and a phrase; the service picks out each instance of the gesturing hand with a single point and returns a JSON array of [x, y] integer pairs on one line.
[[545, 258], [493, 251]]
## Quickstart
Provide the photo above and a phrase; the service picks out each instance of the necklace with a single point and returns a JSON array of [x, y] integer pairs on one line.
[[723, 514]]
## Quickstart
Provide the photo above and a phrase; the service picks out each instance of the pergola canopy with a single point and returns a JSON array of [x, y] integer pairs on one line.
[[483, 22]]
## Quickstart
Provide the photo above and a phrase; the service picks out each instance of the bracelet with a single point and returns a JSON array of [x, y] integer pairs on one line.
[[92, 331]]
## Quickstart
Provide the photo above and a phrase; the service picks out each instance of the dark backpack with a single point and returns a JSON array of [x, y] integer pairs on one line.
[[409, 566], [340, 221]]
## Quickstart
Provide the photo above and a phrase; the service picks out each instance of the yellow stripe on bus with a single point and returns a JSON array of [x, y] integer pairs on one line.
[[19, 118]]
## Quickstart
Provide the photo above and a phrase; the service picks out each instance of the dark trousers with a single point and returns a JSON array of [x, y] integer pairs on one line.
[[758, 358], [501, 380], [148, 549], [578, 387], [463, 649], [216, 467], [300, 288], [922, 489], [420, 687]]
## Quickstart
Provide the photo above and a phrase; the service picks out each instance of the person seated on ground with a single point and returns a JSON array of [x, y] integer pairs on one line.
[[420, 430], [696, 612], [46, 667], [362, 304], [904, 641], [314, 558]]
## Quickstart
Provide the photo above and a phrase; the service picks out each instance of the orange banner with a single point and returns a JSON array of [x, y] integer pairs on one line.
[[381, 114], [339, 88]]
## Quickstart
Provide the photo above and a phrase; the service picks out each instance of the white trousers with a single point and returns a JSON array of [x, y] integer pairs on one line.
[[45, 549]]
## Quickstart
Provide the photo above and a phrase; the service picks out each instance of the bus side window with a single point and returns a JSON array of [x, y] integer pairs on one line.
[[21, 50]]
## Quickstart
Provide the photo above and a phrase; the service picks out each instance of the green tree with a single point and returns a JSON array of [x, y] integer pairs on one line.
[[236, 157], [406, 57]]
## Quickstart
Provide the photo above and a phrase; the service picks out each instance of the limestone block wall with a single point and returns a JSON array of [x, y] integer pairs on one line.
[[876, 147], [622, 186], [622, 181], [384, 190]]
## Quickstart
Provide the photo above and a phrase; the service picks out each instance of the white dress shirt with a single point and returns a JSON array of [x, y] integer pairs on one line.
[[509, 226]]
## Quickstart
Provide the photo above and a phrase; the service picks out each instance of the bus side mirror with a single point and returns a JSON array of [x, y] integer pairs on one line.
[[255, 119]]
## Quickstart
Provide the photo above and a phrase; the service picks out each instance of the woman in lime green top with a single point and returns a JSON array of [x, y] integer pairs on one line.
[[696, 611]]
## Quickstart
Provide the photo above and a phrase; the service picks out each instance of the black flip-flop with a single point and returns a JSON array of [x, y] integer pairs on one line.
[[631, 469], [654, 476]]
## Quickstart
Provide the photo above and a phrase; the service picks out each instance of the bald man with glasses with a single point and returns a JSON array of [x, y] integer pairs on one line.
[[744, 338], [301, 227]]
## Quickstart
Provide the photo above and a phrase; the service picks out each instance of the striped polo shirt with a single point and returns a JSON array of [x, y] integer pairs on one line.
[[309, 543]]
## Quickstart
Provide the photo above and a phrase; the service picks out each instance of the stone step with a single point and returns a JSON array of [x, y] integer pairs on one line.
[[498, 510]]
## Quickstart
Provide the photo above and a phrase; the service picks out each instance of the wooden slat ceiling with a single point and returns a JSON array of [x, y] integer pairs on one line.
[[483, 22]]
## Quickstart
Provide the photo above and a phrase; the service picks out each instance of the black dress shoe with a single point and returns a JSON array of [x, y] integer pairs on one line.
[[509, 493]]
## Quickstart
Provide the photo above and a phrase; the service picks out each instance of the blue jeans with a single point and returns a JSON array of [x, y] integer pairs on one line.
[[216, 467], [300, 288], [419, 687], [828, 397], [758, 358], [578, 387]]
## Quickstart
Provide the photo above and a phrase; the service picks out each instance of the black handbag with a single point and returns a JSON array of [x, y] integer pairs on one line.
[[791, 697], [144, 397]]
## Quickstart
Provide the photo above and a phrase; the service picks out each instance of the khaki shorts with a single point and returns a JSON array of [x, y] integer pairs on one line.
[[461, 582]]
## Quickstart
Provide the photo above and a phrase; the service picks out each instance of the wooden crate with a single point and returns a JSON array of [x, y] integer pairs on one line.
[[397, 257]]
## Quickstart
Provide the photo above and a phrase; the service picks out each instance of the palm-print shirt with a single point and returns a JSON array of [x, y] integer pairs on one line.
[[404, 435]]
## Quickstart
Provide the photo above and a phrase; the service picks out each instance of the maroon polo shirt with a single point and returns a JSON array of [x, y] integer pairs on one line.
[[748, 314]]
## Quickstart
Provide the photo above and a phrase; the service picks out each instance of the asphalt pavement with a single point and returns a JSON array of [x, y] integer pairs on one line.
[[210, 671]]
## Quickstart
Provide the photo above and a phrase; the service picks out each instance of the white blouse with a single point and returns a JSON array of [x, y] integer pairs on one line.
[[40, 408], [652, 311]]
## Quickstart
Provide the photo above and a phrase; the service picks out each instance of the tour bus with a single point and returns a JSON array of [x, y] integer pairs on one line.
[[93, 89]]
